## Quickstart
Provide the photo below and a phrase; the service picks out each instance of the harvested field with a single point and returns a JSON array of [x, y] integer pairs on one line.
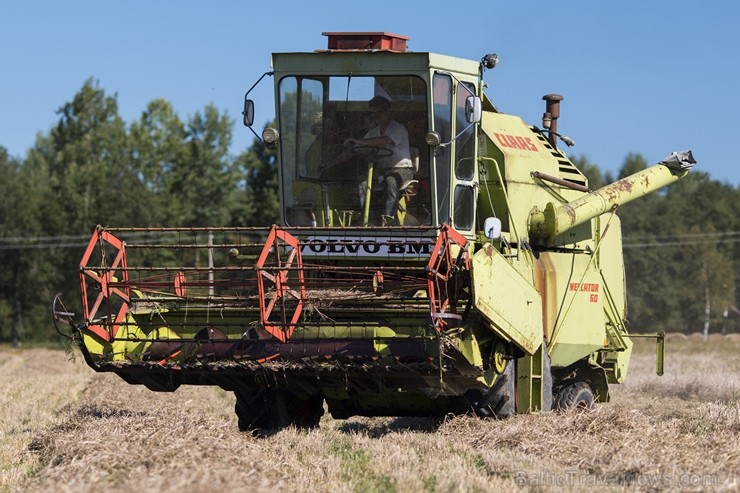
[[66, 428]]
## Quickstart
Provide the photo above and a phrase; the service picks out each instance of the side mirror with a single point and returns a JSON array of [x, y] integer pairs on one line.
[[248, 112], [473, 109], [492, 228]]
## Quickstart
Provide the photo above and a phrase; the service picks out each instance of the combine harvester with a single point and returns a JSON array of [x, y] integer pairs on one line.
[[485, 276]]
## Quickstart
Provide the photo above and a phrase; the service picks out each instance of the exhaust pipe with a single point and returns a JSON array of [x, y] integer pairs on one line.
[[550, 117]]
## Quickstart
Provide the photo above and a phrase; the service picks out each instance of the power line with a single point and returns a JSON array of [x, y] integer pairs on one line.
[[32, 239], [682, 235], [678, 243], [51, 242], [86, 237], [42, 246], [81, 241]]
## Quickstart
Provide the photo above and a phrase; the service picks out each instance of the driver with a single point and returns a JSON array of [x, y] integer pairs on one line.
[[395, 168]]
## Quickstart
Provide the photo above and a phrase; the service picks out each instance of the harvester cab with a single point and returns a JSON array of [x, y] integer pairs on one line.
[[370, 140], [434, 256]]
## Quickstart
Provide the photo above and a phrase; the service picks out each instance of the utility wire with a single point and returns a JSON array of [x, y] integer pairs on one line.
[[638, 241], [66, 241], [42, 246], [20, 239], [682, 235], [655, 244]]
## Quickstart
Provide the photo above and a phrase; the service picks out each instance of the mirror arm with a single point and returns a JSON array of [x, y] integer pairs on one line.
[[249, 106], [258, 81], [255, 134]]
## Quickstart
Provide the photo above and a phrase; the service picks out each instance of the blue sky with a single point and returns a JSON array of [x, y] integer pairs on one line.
[[648, 77]]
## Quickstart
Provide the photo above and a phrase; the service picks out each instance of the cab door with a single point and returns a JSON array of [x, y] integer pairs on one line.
[[456, 173], [465, 171]]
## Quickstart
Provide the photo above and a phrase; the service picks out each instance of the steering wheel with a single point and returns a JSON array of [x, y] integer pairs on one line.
[[371, 152]]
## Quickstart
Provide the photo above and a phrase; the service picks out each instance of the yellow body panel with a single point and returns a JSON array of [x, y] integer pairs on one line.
[[578, 327], [507, 300]]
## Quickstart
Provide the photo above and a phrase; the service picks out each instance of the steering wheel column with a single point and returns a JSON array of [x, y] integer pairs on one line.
[[371, 154]]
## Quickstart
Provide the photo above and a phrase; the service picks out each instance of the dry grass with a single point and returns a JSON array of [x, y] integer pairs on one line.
[[65, 428], [35, 385]]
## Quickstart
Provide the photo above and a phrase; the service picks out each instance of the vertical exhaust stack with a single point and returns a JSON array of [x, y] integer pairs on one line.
[[551, 115]]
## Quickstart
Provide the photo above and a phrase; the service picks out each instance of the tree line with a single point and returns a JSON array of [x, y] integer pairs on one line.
[[681, 244], [93, 167]]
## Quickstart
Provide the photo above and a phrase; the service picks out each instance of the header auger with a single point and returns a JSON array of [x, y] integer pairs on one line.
[[434, 256]]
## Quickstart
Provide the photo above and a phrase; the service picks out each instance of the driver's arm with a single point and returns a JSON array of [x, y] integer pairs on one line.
[[347, 153], [341, 157], [382, 141]]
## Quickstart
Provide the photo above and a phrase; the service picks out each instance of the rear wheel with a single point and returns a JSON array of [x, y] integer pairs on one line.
[[576, 394]]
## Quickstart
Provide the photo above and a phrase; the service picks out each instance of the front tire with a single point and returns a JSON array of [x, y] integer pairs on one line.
[[500, 400], [270, 409], [304, 411]]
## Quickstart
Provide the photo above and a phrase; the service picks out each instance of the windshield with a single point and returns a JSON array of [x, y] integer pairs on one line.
[[353, 151]]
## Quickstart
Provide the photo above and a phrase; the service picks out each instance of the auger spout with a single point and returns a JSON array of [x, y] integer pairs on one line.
[[545, 225]]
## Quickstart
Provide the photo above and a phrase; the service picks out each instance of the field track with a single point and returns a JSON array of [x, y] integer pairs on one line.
[[65, 428]]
